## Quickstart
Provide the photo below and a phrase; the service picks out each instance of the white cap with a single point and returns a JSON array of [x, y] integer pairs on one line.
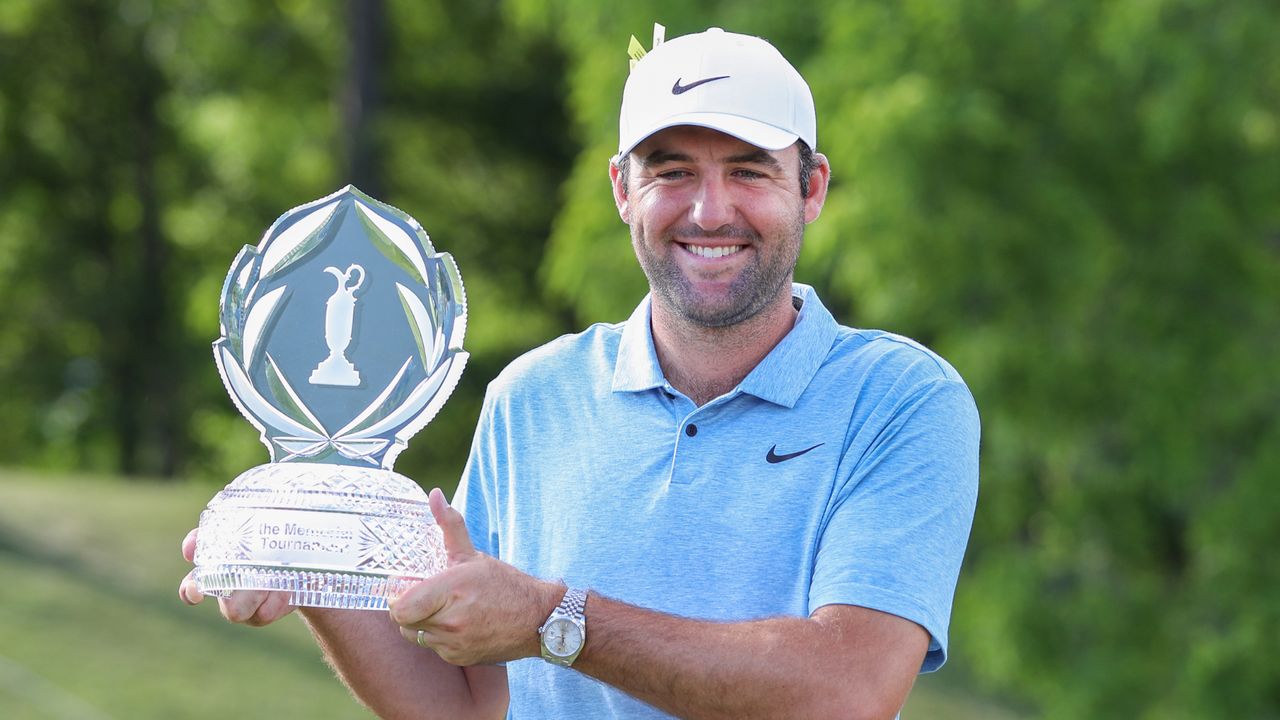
[[737, 84]]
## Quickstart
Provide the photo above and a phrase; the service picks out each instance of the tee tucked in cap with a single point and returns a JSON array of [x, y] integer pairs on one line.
[[737, 84]]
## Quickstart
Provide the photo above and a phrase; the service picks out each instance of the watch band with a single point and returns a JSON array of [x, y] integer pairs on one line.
[[574, 602], [571, 609]]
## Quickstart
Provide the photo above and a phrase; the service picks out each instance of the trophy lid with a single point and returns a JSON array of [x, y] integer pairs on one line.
[[341, 332]]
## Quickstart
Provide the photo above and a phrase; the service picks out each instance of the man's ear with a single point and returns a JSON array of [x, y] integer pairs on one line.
[[620, 192], [819, 181]]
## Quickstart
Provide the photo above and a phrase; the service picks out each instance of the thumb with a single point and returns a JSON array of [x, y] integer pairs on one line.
[[189, 546], [457, 541]]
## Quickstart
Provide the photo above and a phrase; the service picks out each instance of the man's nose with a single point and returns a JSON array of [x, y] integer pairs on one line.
[[713, 206]]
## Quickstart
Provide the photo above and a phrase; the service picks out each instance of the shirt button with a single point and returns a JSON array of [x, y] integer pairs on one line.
[[690, 429]]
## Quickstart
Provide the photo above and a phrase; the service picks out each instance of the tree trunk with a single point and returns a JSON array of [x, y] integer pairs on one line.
[[359, 96]]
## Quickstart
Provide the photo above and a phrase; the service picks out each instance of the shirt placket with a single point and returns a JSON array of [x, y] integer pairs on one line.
[[691, 429]]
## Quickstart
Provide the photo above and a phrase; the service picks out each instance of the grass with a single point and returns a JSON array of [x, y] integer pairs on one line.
[[91, 626]]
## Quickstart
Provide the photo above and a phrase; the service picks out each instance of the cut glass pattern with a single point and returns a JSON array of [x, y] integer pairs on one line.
[[341, 338]]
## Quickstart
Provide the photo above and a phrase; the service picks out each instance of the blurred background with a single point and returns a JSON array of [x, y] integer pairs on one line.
[[1077, 203]]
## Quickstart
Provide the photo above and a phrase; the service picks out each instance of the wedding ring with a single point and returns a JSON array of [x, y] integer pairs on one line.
[[422, 634]]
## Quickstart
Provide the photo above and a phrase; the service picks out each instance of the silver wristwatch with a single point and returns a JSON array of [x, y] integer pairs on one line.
[[565, 631]]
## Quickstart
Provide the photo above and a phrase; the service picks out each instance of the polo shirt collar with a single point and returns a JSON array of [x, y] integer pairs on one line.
[[637, 366], [780, 378]]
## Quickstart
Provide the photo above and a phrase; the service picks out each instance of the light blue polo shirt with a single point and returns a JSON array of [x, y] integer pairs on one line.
[[843, 469]]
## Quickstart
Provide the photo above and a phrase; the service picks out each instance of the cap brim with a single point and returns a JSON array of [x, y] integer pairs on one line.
[[760, 134]]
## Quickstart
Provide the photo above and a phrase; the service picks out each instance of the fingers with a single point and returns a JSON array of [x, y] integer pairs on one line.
[[272, 609], [248, 607], [418, 603], [188, 591], [429, 639], [411, 634], [255, 608], [457, 541], [242, 606], [189, 546]]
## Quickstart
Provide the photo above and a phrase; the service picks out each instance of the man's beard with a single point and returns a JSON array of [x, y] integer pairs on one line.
[[755, 287]]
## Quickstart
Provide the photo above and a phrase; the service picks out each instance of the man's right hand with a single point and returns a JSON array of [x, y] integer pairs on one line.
[[249, 607]]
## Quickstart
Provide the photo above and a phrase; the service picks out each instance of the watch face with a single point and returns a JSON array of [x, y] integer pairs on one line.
[[562, 637]]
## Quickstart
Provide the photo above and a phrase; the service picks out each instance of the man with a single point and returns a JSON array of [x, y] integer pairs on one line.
[[727, 506]]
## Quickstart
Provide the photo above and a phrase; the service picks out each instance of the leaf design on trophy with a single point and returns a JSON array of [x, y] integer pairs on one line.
[[288, 400], [412, 405], [436, 390], [393, 242], [453, 300], [235, 289], [251, 402], [300, 447], [298, 239], [271, 290], [260, 316], [328, 520], [421, 323], [390, 398], [363, 449], [420, 407]]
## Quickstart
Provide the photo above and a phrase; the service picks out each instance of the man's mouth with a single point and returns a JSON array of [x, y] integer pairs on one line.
[[713, 252]]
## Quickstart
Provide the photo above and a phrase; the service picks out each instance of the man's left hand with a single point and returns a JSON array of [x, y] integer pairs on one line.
[[479, 610]]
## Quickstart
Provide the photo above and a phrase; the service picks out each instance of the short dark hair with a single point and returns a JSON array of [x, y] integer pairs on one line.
[[808, 163]]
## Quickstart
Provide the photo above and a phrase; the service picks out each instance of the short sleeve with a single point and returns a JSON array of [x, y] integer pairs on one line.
[[897, 529], [476, 497]]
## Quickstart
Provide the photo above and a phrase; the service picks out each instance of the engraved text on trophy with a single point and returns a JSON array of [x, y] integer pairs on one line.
[[338, 320]]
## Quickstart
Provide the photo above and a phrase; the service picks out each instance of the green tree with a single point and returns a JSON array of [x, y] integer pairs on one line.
[[1073, 202], [1076, 204], [148, 142], [86, 273]]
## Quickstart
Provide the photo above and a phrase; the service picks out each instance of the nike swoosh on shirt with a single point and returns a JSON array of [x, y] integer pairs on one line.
[[773, 457], [678, 88]]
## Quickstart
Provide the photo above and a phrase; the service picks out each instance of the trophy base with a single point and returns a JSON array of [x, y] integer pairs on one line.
[[332, 536], [344, 591]]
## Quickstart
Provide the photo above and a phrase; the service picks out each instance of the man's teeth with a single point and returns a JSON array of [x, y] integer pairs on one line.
[[713, 252]]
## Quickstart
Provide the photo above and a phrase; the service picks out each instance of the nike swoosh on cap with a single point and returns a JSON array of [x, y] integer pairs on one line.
[[773, 457], [677, 89]]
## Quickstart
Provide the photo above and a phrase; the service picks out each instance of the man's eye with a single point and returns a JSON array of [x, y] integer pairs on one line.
[[673, 174], [748, 174]]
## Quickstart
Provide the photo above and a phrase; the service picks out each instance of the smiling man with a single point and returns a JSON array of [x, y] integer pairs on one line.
[[728, 506]]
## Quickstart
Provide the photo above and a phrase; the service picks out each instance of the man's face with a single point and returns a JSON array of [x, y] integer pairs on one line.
[[715, 222]]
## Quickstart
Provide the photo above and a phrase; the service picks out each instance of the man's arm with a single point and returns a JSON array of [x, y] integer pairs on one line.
[[842, 662], [391, 677], [398, 680]]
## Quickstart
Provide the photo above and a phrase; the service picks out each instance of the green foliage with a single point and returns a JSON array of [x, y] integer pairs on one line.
[[143, 150], [148, 142], [1074, 202]]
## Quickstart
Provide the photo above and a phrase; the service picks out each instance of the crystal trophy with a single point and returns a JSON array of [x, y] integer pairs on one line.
[[341, 338]]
